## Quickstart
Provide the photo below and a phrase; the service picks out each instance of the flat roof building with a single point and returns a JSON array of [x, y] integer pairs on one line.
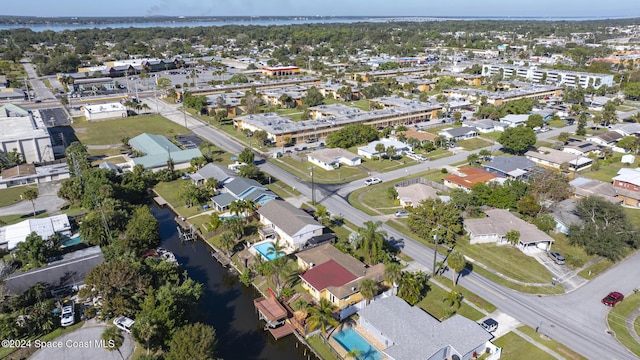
[[104, 111], [26, 133]]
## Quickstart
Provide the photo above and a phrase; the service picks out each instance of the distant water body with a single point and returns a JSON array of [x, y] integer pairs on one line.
[[271, 22]]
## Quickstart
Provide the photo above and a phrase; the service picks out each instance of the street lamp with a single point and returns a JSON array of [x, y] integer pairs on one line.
[[313, 188]]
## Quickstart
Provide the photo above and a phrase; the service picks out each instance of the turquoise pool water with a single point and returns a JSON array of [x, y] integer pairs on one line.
[[70, 242], [350, 339], [264, 248]]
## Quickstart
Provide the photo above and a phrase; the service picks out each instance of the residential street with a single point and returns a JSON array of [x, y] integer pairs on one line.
[[577, 320]]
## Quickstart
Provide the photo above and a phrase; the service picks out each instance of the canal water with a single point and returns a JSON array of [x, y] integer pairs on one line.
[[227, 305]]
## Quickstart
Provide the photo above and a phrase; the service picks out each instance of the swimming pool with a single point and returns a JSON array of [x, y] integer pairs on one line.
[[264, 248], [350, 339], [70, 242]]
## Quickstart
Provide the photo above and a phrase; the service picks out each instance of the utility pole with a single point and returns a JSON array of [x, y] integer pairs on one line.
[[313, 188], [435, 251]]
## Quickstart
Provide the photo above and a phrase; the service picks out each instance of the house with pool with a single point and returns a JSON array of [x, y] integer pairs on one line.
[[242, 189], [392, 329], [12, 235], [286, 223]]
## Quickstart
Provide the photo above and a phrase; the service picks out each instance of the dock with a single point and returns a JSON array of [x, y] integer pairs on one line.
[[223, 260], [275, 316], [282, 331], [160, 201]]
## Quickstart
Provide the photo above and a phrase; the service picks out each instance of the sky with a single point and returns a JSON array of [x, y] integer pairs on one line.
[[481, 8]]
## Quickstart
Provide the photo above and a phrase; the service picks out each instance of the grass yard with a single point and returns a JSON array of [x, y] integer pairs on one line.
[[114, 160], [514, 347], [558, 123], [112, 131], [321, 176], [437, 154], [575, 255], [108, 151], [608, 169], [617, 321], [169, 192], [11, 195], [293, 114], [468, 295], [595, 269], [362, 104], [283, 190], [434, 303], [551, 344], [474, 144], [493, 136], [321, 348], [540, 143], [633, 216], [436, 130], [387, 165], [13, 219]]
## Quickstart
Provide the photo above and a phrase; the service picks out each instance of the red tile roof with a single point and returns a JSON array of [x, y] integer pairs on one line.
[[472, 176], [327, 274]]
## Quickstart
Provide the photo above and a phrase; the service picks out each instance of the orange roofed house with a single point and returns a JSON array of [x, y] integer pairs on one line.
[[465, 178]]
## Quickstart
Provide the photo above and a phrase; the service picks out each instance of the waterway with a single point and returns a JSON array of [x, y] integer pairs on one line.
[[227, 305]]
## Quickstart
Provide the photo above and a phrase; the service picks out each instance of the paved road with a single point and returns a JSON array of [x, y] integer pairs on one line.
[[576, 320], [47, 201], [42, 93]]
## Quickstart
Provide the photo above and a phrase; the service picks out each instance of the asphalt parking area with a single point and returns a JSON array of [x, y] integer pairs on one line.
[[83, 344]]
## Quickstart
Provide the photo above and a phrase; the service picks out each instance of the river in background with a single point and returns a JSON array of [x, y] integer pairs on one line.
[[227, 305]]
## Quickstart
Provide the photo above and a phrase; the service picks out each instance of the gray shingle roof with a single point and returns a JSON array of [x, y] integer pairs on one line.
[[455, 132], [223, 200], [416, 334], [286, 216], [217, 172], [507, 164], [239, 185]]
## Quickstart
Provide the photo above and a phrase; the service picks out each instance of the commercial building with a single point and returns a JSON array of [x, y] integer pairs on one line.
[[26, 133], [280, 70], [157, 151], [104, 111]]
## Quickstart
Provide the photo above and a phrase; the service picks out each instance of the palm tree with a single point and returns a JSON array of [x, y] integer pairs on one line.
[[485, 154], [512, 236], [237, 207], [236, 226], [454, 299], [391, 152], [322, 214], [276, 252], [113, 339], [393, 272], [368, 289], [144, 329], [372, 239], [457, 263], [380, 149], [227, 242], [321, 316], [31, 195]]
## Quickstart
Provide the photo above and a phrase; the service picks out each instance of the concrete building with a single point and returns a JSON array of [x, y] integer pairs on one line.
[[104, 111], [330, 159], [280, 70], [157, 150], [29, 174], [369, 151], [551, 76], [25, 132], [12, 235]]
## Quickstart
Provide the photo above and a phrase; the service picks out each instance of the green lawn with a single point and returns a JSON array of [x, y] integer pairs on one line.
[[434, 304], [492, 135], [169, 191], [474, 144], [11, 195], [515, 347], [387, 165], [617, 322], [633, 216], [321, 348], [362, 104], [436, 130], [112, 131], [595, 269], [321, 176], [438, 153], [557, 123], [281, 189], [551, 344], [293, 114], [13, 219], [468, 295], [576, 256], [608, 169]]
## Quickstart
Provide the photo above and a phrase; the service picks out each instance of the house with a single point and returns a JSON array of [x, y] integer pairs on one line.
[[627, 186], [494, 228], [515, 167], [556, 159], [369, 151], [242, 189], [28, 174], [290, 224], [465, 178], [407, 332], [157, 151], [564, 213], [546, 114], [330, 159], [330, 274], [422, 137], [69, 272], [583, 187], [608, 139], [514, 120], [412, 195], [12, 235], [104, 111], [486, 125], [581, 147], [460, 133], [212, 171], [626, 129], [111, 167]]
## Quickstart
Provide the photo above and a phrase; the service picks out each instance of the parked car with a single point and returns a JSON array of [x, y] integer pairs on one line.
[[613, 298], [401, 213], [372, 181], [489, 324], [556, 257], [123, 323], [68, 313]]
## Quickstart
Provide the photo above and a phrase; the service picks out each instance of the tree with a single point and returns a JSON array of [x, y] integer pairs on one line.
[[453, 298], [144, 329], [512, 236], [517, 139], [564, 137], [392, 193], [31, 195], [77, 158], [351, 135], [412, 286], [313, 98], [380, 149], [227, 242], [391, 152], [629, 143], [346, 93], [322, 316], [609, 114], [142, 230], [456, 263], [485, 154], [113, 339], [473, 158], [323, 215], [582, 124], [372, 240], [246, 156], [548, 185], [392, 272], [236, 226], [432, 214], [368, 289], [32, 251], [534, 121], [194, 341]]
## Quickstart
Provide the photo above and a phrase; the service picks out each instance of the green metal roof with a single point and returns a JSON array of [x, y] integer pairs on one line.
[[158, 149]]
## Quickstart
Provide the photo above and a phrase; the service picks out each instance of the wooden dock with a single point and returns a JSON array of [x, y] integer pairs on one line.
[[222, 259], [281, 331], [160, 201]]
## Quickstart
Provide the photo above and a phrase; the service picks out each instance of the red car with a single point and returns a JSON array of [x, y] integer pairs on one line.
[[613, 298]]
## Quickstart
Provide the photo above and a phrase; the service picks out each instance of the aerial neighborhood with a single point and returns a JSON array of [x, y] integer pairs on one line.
[[398, 189]]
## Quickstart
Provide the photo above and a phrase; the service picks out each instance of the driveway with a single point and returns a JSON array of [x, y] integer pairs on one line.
[[47, 200], [83, 344]]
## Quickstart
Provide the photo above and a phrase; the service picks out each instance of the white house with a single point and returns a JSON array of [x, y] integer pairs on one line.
[[486, 125], [292, 225], [330, 159], [12, 235], [369, 151], [461, 133], [514, 120], [104, 111]]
